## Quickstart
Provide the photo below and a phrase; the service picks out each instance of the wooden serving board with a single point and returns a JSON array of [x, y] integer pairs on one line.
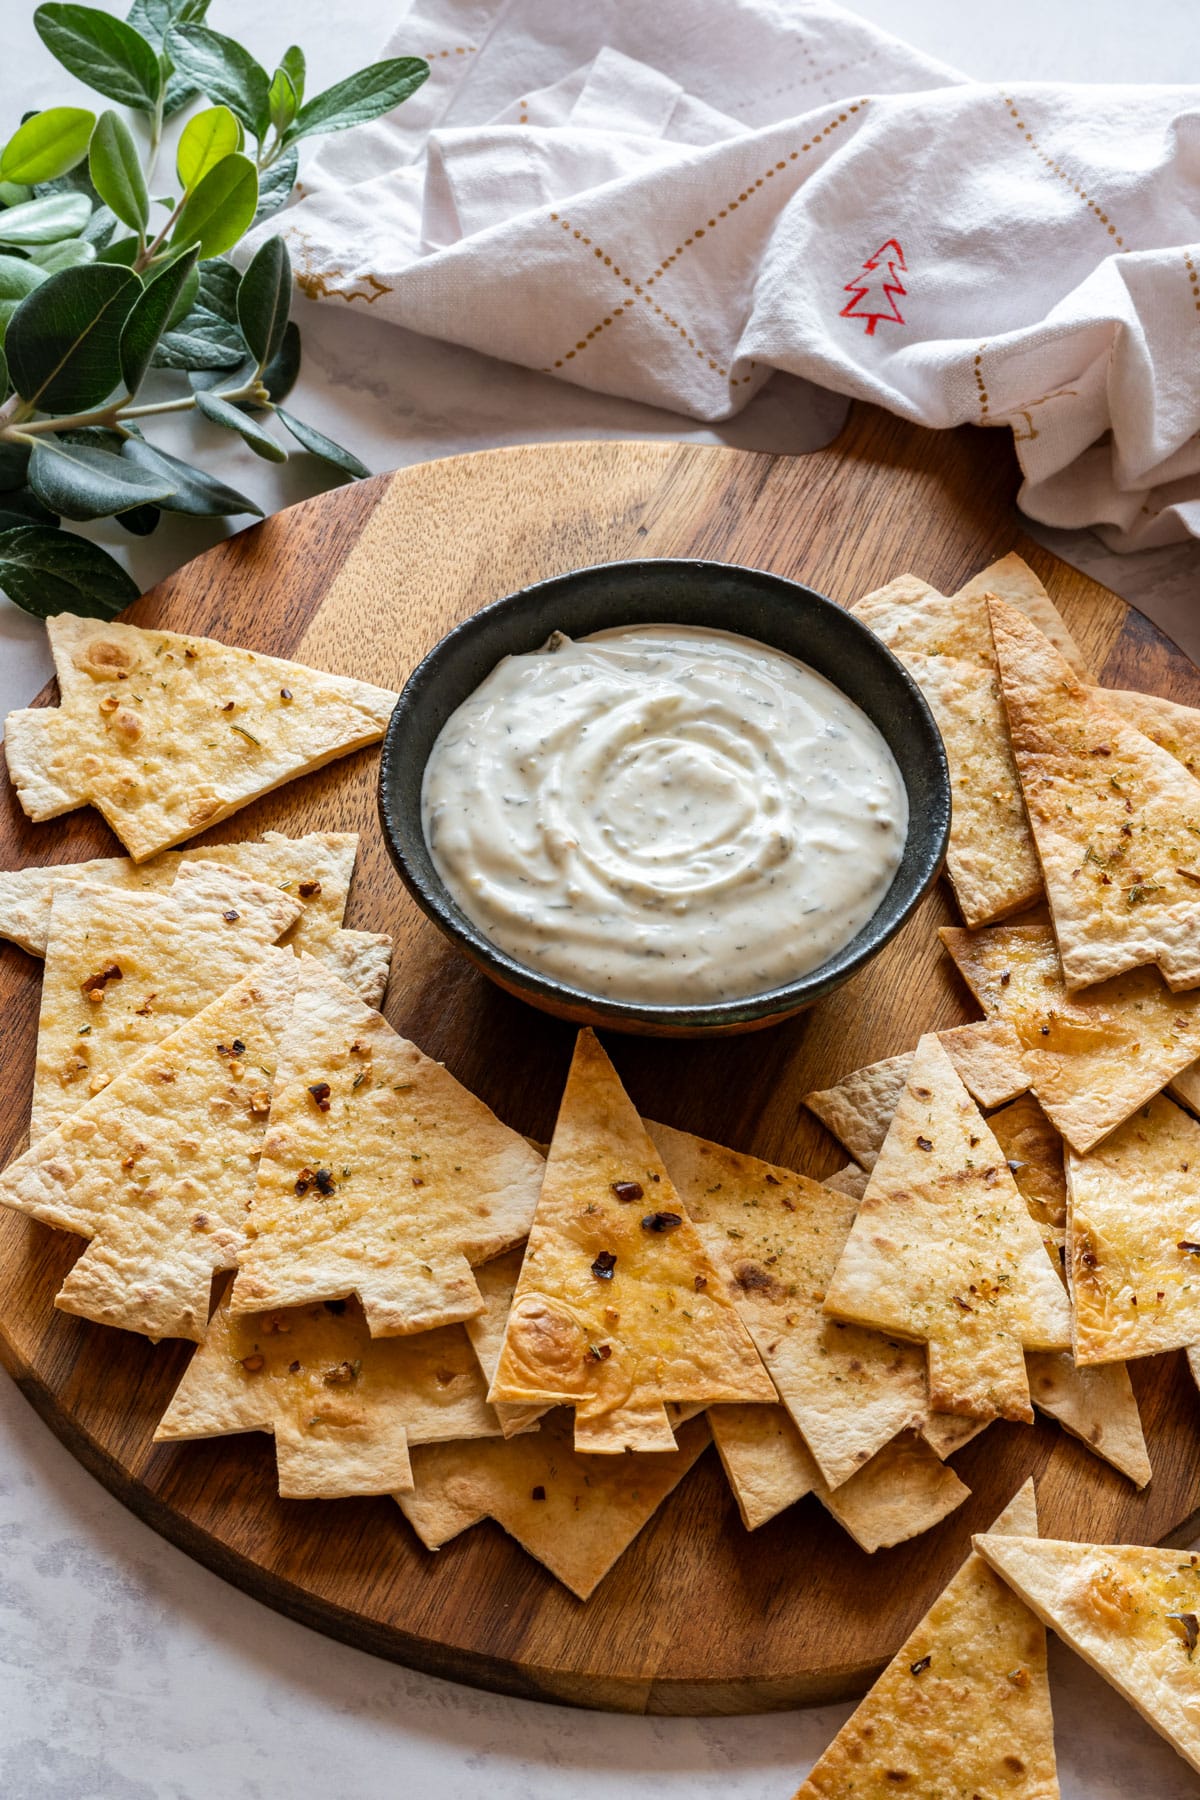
[[699, 1615]]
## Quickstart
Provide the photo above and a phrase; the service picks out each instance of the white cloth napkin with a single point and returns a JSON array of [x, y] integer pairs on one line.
[[669, 199]]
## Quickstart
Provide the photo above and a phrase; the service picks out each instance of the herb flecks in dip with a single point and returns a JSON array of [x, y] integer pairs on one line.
[[664, 814]]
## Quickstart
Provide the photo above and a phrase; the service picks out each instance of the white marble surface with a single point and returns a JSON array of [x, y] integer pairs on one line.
[[127, 1672]]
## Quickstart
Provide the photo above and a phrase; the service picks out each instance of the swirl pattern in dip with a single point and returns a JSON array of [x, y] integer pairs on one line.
[[664, 814]]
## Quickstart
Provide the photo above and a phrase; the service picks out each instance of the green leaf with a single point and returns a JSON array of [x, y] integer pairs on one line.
[[202, 340], [213, 381], [197, 493], [283, 101], [17, 278], [72, 253], [188, 296], [21, 506], [13, 192], [223, 70], [4, 382], [124, 252], [45, 221], [223, 414], [265, 298], [211, 135], [154, 18], [360, 98], [64, 339], [101, 228], [317, 444], [292, 64], [148, 319], [116, 171], [218, 211], [276, 183], [46, 572], [140, 521], [81, 482], [219, 283], [14, 464], [279, 376], [105, 53], [47, 145]]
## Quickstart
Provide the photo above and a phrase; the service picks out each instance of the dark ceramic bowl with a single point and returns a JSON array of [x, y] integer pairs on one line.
[[722, 597]]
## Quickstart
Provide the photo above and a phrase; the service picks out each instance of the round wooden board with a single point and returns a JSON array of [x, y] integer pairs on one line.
[[698, 1616]]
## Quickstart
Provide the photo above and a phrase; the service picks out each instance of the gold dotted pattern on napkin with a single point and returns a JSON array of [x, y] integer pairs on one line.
[[1193, 278], [1064, 175], [639, 290]]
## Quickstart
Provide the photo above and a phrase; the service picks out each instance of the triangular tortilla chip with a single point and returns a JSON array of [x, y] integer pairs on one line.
[[1173, 727], [944, 1250], [166, 734], [315, 869], [125, 970], [158, 1168], [860, 1108], [1033, 1150], [913, 618], [380, 1175], [576, 1514], [1129, 1611], [903, 1491], [1115, 818], [946, 1432], [776, 1238], [619, 1308], [850, 1180], [990, 859], [1097, 1406], [498, 1283], [1133, 1237], [1093, 1057], [963, 1708], [987, 1056], [342, 1406]]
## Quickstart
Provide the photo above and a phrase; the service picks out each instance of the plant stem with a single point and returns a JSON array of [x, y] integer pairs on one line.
[[17, 430], [147, 256]]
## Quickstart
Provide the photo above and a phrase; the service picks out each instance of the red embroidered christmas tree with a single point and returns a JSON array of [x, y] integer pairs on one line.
[[873, 295]]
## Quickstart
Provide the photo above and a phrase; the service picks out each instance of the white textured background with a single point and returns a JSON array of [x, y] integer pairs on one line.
[[126, 1671]]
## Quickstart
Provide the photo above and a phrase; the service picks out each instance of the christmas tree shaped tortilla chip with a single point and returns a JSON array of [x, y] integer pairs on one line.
[[963, 1708], [1092, 1057], [1133, 1237], [943, 1250], [576, 1514], [381, 1175], [1115, 818], [1129, 1611], [157, 1170], [124, 970], [315, 870], [776, 1238], [167, 734], [618, 1308], [903, 1491], [343, 1406], [1095, 1405]]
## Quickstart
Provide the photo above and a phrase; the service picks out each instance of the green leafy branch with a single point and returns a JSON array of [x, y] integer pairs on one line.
[[103, 280]]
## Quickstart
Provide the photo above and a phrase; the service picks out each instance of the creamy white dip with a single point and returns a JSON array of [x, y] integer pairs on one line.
[[664, 814]]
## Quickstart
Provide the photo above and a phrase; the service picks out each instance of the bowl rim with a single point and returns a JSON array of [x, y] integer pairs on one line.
[[438, 904]]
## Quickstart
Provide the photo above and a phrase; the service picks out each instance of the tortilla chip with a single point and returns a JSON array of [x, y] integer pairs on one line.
[[619, 1308], [1173, 727], [497, 1283], [991, 862], [157, 1170], [576, 1514], [315, 870], [125, 970], [1115, 818], [1034, 1153], [944, 1250], [859, 1109], [987, 1056], [343, 1406], [901, 1492], [945, 1432], [1095, 1405], [776, 1238], [166, 734], [849, 1180], [1133, 1237], [964, 1705], [766, 1461], [1129, 1611], [912, 618], [1094, 1057], [380, 1176]]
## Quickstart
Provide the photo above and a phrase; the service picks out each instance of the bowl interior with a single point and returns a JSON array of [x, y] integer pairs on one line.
[[719, 596]]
